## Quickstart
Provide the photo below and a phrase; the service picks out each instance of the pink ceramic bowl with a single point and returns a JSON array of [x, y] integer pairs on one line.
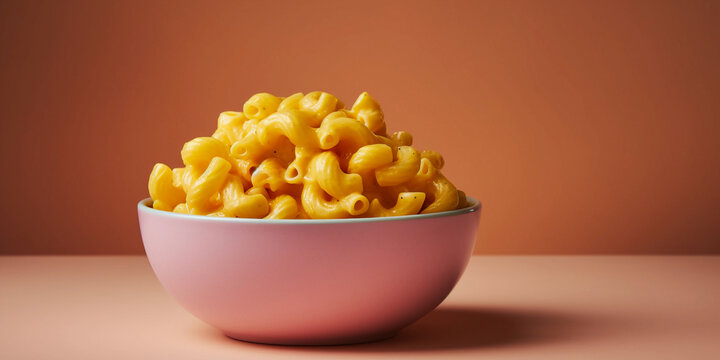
[[309, 282]]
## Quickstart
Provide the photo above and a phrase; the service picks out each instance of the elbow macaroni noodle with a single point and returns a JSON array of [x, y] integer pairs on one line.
[[304, 156]]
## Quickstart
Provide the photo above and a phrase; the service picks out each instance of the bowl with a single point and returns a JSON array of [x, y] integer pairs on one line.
[[309, 282]]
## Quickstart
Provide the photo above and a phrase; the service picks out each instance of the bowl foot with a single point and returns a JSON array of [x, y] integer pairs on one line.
[[299, 341]]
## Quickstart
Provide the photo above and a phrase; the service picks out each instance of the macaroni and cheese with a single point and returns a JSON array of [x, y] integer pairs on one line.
[[304, 156]]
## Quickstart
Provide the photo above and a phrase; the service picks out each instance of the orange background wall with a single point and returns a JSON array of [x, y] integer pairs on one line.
[[584, 127]]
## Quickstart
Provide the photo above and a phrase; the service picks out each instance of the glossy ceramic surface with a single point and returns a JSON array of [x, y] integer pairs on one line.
[[309, 282]]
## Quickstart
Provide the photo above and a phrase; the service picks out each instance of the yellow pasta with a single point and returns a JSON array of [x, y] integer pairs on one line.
[[259, 106], [189, 175], [291, 102], [296, 170], [248, 127], [163, 189], [320, 104], [249, 148], [436, 159], [325, 170], [238, 204], [304, 157], [245, 168], [368, 111], [289, 124], [351, 133], [201, 197], [318, 206], [200, 151], [402, 170], [462, 200], [408, 203], [161, 205], [445, 195], [270, 174], [369, 158], [229, 128], [283, 207], [402, 138], [258, 190], [181, 208], [342, 113], [425, 173]]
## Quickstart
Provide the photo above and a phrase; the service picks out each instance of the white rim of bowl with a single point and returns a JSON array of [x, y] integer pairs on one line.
[[145, 205]]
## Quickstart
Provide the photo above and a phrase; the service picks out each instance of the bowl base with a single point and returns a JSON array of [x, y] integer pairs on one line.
[[312, 342]]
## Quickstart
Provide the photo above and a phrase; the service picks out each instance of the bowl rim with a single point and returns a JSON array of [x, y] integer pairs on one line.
[[145, 205]]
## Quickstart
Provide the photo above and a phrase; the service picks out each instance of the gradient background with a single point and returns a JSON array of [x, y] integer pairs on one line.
[[584, 127]]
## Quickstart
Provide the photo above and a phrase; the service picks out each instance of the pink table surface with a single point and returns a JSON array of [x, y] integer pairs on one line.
[[505, 307]]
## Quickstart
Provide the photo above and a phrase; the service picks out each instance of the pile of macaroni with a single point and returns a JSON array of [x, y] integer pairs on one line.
[[304, 156]]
